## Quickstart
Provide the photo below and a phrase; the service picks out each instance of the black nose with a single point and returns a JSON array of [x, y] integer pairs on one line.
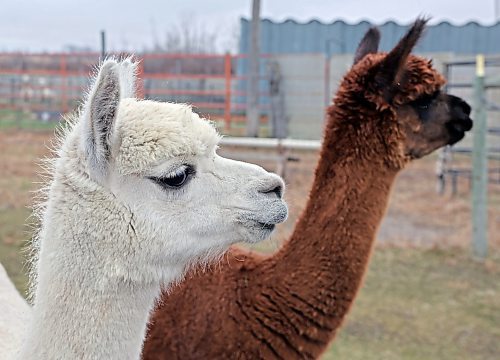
[[457, 102], [466, 107], [274, 188]]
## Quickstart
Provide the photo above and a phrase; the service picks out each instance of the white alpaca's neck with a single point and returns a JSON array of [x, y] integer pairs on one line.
[[88, 323], [94, 290]]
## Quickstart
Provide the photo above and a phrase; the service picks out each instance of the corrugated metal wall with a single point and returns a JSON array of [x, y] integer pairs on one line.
[[302, 51], [306, 92], [340, 37]]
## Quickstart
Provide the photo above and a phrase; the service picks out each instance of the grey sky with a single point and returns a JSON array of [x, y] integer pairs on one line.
[[38, 25]]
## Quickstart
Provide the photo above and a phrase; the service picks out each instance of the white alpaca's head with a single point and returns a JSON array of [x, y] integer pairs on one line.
[[174, 200]]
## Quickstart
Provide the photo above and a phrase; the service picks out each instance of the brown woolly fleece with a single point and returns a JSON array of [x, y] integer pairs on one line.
[[291, 304]]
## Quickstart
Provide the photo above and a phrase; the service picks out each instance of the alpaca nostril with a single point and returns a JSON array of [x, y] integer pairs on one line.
[[468, 124], [277, 189], [459, 103], [461, 125]]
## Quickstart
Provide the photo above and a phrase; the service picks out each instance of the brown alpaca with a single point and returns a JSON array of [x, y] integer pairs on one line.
[[388, 111]]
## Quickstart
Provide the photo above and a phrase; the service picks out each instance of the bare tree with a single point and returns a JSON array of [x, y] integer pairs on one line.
[[189, 36], [230, 38]]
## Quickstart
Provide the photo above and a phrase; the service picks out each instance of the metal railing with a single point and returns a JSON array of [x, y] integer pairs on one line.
[[48, 85], [480, 173]]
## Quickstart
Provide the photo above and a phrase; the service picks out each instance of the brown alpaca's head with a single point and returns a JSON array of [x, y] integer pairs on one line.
[[394, 102]]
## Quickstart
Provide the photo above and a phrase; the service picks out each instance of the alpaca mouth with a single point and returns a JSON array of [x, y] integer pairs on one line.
[[262, 224], [259, 225], [462, 125], [266, 226], [256, 231]]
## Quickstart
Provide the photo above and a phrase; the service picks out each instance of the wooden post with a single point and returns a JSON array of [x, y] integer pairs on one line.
[[278, 120], [479, 167], [253, 113]]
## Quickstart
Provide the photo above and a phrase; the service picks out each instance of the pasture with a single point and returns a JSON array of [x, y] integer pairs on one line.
[[424, 295]]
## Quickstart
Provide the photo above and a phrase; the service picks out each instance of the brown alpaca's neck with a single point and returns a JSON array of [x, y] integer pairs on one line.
[[345, 207], [319, 270]]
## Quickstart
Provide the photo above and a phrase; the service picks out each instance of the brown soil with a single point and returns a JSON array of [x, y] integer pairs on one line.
[[416, 216]]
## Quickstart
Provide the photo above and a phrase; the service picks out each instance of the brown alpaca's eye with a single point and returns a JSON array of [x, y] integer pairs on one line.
[[423, 103], [176, 179]]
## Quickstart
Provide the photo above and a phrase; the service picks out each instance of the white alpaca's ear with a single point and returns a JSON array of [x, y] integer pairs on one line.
[[128, 78], [99, 114]]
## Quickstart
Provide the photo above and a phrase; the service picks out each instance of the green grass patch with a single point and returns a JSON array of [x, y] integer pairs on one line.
[[27, 124], [424, 304], [17, 119], [415, 303]]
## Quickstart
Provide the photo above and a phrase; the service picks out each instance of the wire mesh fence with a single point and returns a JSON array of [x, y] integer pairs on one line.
[[41, 87]]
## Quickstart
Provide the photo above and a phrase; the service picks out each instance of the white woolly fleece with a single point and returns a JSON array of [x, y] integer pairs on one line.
[[151, 132], [15, 315], [114, 232]]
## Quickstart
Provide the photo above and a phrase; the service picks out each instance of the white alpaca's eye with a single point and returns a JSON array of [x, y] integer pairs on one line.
[[176, 179]]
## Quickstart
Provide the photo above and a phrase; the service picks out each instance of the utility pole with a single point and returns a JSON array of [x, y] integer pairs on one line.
[[253, 114], [103, 44]]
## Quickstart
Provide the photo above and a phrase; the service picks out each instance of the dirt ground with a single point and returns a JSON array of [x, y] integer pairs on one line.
[[416, 215], [424, 297]]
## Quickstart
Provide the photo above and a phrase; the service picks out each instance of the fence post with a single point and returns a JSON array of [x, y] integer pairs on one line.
[[445, 153], [227, 97], [141, 91], [479, 166], [63, 68]]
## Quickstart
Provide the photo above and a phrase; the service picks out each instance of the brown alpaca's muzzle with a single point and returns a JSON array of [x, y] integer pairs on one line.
[[460, 121]]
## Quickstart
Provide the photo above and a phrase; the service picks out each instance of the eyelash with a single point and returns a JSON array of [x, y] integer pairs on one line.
[[427, 98], [423, 103], [176, 179]]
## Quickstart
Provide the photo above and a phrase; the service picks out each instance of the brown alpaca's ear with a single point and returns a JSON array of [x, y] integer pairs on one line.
[[392, 67], [367, 45]]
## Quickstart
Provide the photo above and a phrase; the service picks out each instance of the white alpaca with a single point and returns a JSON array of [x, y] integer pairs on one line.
[[14, 315], [138, 195]]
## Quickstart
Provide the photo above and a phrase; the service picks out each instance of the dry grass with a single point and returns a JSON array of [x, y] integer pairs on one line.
[[423, 298], [424, 304], [416, 215], [19, 154]]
